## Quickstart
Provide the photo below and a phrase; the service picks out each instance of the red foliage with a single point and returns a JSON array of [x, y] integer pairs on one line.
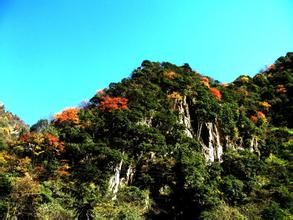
[[25, 137], [109, 104], [258, 116], [216, 93], [52, 140], [70, 114], [43, 142], [254, 119], [55, 143]]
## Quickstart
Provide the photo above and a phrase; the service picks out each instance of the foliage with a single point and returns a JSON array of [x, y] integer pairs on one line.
[[216, 93], [67, 115], [141, 149], [53, 211], [109, 104]]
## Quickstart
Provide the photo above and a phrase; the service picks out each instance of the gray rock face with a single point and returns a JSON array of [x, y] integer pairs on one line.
[[184, 116], [207, 133]]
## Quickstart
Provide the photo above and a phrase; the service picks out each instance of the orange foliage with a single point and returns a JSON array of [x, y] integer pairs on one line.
[[55, 144], [258, 116], [70, 114], [175, 96], [42, 142], [109, 104], [254, 119], [265, 105], [33, 137], [205, 81], [62, 171], [262, 116], [216, 93], [170, 75], [281, 89], [52, 140]]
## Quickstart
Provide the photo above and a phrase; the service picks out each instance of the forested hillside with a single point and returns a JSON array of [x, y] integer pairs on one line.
[[164, 143], [11, 127]]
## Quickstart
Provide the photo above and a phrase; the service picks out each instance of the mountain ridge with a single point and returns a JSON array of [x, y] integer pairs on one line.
[[165, 142]]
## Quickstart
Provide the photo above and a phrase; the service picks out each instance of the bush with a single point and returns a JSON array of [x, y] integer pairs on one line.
[[273, 211], [233, 190], [54, 211], [222, 212]]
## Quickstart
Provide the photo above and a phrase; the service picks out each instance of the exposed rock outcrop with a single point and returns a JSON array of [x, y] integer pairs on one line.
[[115, 180], [210, 141], [207, 133], [118, 180], [184, 116]]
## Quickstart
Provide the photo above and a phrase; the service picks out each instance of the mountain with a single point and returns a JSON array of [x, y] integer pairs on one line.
[[11, 127], [164, 143]]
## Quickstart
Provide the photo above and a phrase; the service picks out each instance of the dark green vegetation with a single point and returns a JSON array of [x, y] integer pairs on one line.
[[165, 143]]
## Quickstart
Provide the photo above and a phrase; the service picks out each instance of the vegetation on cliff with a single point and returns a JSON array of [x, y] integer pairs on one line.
[[165, 142]]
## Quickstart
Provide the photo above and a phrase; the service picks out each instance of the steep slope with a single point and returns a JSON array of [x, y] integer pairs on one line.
[[272, 89], [11, 127], [166, 142]]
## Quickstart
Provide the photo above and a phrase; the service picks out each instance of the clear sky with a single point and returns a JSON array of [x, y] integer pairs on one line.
[[56, 53]]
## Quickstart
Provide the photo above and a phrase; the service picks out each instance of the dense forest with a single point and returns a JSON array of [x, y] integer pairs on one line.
[[164, 143]]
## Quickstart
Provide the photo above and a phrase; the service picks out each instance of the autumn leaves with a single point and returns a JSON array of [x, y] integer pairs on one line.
[[214, 91], [109, 104]]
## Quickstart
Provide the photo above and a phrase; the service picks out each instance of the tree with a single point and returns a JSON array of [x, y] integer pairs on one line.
[[67, 115], [216, 93], [109, 104]]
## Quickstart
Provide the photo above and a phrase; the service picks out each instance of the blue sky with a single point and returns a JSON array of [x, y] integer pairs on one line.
[[57, 53]]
